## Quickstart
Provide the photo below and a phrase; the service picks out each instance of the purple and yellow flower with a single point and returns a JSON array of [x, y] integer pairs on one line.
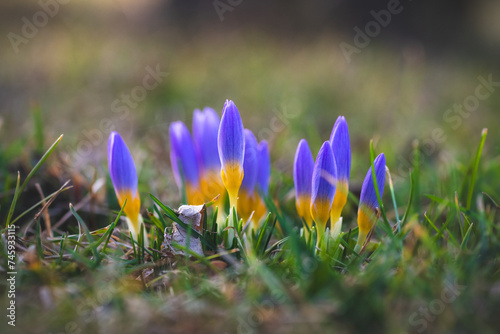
[[184, 162], [250, 173], [324, 182], [205, 130], [124, 178], [368, 203], [341, 147], [263, 178], [231, 146], [303, 166]]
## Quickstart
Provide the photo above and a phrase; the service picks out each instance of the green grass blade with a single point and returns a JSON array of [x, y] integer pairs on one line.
[[393, 196], [466, 237], [475, 168], [459, 217], [410, 199], [213, 237], [261, 234], [492, 200], [87, 233], [19, 190], [106, 236], [14, 200], [157, 222], [416, 171], [38, 236], [40, 202]]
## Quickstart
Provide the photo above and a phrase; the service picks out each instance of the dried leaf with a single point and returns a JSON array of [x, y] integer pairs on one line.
[[192, 215]]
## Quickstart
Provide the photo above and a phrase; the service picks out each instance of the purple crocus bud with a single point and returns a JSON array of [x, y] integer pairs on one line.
[[368, 202], [184, 162], [324, 181], [264, 167], [341, 147], [231, 146], [303, 166], [124, 178]]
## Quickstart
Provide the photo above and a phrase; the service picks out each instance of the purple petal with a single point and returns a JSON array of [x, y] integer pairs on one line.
[[302, 169], [368, 195], [341, 147], [324, 179], [182, 154], [230, 140], [205, 131], [264, 172], [250, 162], [303, 166], [121, 165]]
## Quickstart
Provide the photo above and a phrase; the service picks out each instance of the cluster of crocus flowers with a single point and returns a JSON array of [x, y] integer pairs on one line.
[[220, 155], [195, 160], [124, 178], [322, 187]]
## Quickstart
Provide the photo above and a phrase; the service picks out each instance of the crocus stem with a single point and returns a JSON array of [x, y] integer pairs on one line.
[[233, 201], [231, 231], [361, 241], [135, 226], [320, 241], [336, 228], [307, 233]]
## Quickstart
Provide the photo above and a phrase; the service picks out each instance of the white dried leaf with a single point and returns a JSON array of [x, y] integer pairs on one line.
[[190, 215]]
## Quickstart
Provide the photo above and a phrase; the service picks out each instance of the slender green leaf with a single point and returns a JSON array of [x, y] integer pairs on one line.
[[19, 190]]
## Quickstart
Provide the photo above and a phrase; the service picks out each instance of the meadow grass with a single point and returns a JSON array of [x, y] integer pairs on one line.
[[432, 265]]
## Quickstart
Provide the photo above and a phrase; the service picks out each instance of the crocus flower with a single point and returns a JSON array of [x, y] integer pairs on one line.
[[250, 173], [341, 147], [303, 166], [184, 162], [368, 203], [231, 146], [324, 181], [264, 168], [124, 178], [205, 130], [263, 178]]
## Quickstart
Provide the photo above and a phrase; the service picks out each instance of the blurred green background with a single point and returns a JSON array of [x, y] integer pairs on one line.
[[281, 62], [80, 68]]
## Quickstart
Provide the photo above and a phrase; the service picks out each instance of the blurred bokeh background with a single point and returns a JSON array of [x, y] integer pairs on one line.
[[399, 71], [395, 69]]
